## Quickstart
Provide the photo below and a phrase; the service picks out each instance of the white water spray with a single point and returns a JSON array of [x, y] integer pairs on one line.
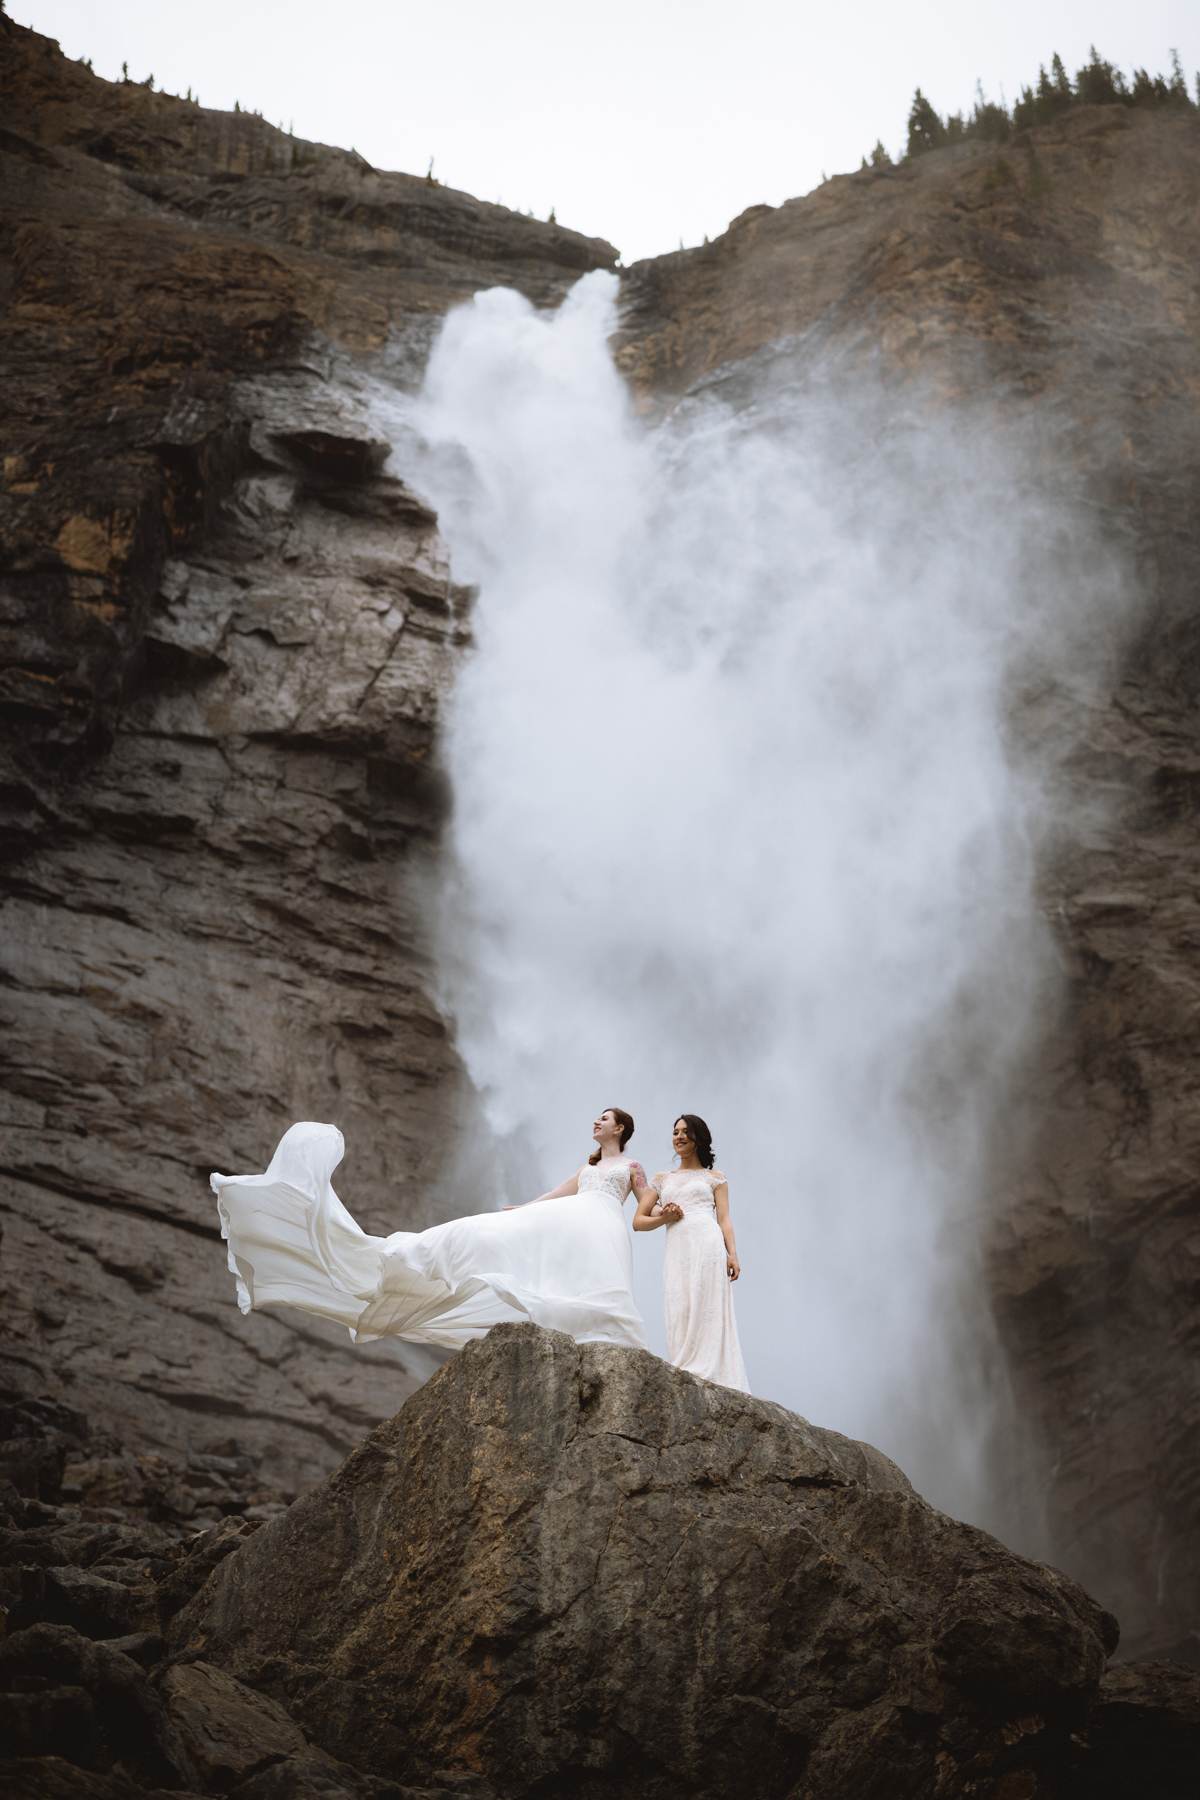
[[736, 832]]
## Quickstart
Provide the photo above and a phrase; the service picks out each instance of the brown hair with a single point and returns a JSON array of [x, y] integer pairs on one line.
[[701, 1138], [625, 1121]]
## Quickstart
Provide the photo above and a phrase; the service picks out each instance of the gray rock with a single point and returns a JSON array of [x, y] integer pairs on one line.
[[1143, 1736], [198, 1557], [144, 1647], [578, 1569], [93, 1605], [309, 1777], [229, 1731], [64, 1696], [54, 1778]]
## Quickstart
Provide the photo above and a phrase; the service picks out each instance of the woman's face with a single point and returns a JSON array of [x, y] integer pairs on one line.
[[681, 1138], [605, 1129]]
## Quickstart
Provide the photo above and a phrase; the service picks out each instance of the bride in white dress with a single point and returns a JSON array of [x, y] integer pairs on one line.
[[565, 1263], [701, 1261]]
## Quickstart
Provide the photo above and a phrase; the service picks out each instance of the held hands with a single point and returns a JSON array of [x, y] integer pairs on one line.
[[668, 1211]]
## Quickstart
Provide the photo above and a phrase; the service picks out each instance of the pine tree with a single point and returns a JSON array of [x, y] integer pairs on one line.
[[989, 122], [879, 156], [1177, 86], [1143, 91], [237, 106], [1098, 83], [124, 71], [925, 129], [1045, 96]]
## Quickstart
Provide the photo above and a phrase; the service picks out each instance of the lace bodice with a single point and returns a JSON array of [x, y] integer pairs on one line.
[[692, 1189], [613, 1178]]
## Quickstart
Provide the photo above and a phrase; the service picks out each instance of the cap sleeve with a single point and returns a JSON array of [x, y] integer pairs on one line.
[[718, 1177]]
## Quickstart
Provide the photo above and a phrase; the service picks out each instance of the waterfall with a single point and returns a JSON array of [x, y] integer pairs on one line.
[[738, 828]]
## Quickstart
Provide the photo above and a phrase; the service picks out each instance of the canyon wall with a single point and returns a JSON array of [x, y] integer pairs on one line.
[[224, 635]]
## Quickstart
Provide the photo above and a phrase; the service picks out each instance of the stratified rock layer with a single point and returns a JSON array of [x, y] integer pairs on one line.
[[224, 636]]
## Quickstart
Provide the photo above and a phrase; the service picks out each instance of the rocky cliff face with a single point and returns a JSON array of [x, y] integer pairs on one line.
[[225, 637], [1058, 278], [225, 634]]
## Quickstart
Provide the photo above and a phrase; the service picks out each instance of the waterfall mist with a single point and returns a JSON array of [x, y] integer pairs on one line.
[[738, 829]]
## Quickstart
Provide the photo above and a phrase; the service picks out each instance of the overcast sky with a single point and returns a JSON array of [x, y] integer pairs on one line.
[[646, 122]]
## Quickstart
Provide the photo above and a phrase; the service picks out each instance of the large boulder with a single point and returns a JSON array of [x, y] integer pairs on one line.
[[575, 1568]]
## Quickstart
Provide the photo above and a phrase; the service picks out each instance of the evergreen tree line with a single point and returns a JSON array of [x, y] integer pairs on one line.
[[192, 99], [1098, 83]]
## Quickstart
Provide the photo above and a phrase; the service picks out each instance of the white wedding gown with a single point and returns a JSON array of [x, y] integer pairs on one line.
[[565, 1264], [702, 1334]]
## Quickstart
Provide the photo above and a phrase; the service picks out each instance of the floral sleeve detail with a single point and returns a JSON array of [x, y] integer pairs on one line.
[[637, 1174]]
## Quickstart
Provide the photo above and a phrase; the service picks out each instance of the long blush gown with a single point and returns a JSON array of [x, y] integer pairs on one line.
[[565, 1264], [702, 1334]]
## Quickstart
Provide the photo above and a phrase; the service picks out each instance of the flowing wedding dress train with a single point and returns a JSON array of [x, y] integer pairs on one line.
[[702, 1334], [565, 1263]]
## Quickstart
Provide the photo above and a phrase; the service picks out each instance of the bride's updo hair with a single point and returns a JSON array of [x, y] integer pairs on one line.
[[701, 1138], [624, 1120]]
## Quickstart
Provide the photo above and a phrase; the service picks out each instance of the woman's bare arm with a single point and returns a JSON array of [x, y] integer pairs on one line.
[[564, 1188], [650, 1214], [733, 1267]]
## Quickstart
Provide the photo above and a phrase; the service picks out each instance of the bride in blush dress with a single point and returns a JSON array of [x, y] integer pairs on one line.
[[565, 1263], [701, 1261]]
